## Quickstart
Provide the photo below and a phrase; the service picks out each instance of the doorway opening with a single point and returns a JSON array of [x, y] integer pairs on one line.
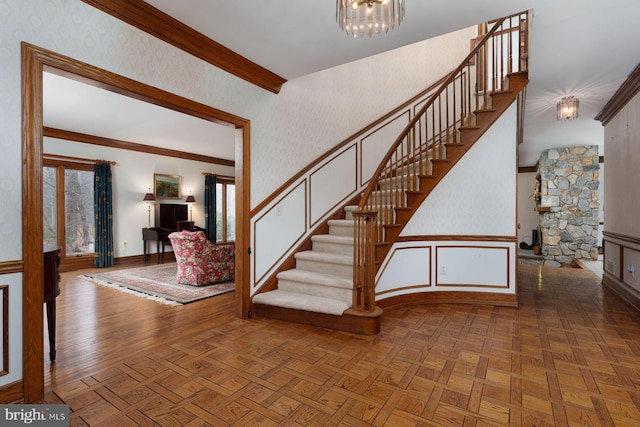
[[34, 61]]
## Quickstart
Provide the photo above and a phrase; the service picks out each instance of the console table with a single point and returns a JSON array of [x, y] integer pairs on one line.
[[51, 291]]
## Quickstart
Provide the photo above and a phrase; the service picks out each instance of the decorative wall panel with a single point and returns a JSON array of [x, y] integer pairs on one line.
[[332, 184]]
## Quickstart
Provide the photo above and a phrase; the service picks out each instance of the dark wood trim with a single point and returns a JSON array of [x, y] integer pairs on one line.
[[624, 237], [168, 29], [340, 145], [243, 225], [34, 61], [526, 169], [71, 263], [365, 325], [11, 267], [5, 329], [623, 291], [449, 238], [449, 297], [11, 393], [623, 95], [131, 146], [32, 225]]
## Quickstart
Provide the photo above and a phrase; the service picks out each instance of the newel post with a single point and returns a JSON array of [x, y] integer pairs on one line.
[[364, 295]]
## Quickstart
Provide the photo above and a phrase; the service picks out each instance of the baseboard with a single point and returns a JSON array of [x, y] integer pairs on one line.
[[623, 291], [11, 393], [365, 325], [448, 297]]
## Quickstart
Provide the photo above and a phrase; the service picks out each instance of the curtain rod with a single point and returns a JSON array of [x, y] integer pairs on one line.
[[76, 159], [219, 176]]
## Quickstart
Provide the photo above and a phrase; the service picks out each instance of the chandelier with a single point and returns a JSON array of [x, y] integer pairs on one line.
[[368, 17], [568, 108]]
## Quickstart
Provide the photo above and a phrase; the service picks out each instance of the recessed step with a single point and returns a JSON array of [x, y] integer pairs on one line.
[[294, 300], [349, 210], [342, 245], [317, 284], [340, 265], [341, 227]]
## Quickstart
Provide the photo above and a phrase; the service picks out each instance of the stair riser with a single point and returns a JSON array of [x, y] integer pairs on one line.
[[316, 290], [381, 198], [420, 169], [340, 270], [408, 182], [334, 248], [341, 230], [348, 212]]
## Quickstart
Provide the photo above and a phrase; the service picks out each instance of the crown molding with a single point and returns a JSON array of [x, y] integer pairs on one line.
[[157, 23], [623, 95]]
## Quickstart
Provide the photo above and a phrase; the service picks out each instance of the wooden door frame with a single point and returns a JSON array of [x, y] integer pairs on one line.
[[34, 61]]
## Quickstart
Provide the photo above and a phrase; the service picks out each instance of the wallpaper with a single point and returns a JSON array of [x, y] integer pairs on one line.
[[478, 196], [310, 115]]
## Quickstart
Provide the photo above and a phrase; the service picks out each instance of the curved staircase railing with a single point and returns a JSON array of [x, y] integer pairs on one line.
[[430, 144]]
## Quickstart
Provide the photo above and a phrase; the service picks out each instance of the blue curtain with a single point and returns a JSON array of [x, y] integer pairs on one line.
[[103, 205], [210, 207]]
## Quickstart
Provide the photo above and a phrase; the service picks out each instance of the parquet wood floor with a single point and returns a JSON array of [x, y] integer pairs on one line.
[[568, 356]]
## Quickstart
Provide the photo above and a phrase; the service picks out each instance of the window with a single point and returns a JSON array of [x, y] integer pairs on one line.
[[68, 207], [225, 211]]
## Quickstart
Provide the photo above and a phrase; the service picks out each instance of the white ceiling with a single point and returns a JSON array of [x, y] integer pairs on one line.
[[584, 48], [78, 107]]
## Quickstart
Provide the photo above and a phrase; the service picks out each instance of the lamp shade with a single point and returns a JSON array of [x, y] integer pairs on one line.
[[149, 197], [190, 199]]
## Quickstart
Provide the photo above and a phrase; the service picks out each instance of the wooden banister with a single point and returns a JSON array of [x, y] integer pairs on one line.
[[422, 148]]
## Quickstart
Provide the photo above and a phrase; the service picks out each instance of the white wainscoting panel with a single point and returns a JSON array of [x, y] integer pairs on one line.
[[472, 266], [278, 230], [408, 267], [332, 183], [377, 143], [631, 268]]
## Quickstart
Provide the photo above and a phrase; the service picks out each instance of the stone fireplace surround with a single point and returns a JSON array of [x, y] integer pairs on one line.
[[569, 204]]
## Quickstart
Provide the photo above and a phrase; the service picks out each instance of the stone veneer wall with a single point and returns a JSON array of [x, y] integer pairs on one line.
[[569, 181]]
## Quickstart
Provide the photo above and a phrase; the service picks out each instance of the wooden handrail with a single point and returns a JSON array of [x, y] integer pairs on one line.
[[436, 126], [283, 188]]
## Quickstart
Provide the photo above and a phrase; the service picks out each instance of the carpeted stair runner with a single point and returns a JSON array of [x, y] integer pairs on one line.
[[322, 281]]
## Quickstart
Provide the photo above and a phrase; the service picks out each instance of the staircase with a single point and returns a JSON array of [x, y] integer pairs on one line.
[[319, 290], [333, 284]]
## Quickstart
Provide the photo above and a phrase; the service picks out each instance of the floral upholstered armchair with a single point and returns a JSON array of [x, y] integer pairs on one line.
[[201, 262]]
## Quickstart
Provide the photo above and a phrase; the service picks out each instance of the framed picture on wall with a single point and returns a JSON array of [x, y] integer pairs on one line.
[[167, 187]]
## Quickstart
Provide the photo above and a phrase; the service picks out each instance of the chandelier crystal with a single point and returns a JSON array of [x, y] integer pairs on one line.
[[567, 108], [369, 17]]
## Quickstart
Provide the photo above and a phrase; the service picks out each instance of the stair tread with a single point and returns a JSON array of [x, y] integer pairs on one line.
[[298, 301], [342, 222], [314, 277], [332, 238], [325, 257]]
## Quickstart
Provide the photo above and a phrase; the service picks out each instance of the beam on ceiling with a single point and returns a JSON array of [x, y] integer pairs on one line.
[[157, 23]]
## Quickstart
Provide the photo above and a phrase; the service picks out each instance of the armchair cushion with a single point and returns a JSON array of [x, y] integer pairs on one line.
[[201, 262]]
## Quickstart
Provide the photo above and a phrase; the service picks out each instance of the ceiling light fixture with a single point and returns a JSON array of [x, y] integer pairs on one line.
[[368, 17], [568, 108]]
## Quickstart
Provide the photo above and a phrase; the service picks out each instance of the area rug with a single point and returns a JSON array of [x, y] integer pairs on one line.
[[157, 282]]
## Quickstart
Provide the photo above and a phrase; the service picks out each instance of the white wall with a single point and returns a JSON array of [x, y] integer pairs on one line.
[[528, 219], [132, 177], [310, 115], [477, 198]]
